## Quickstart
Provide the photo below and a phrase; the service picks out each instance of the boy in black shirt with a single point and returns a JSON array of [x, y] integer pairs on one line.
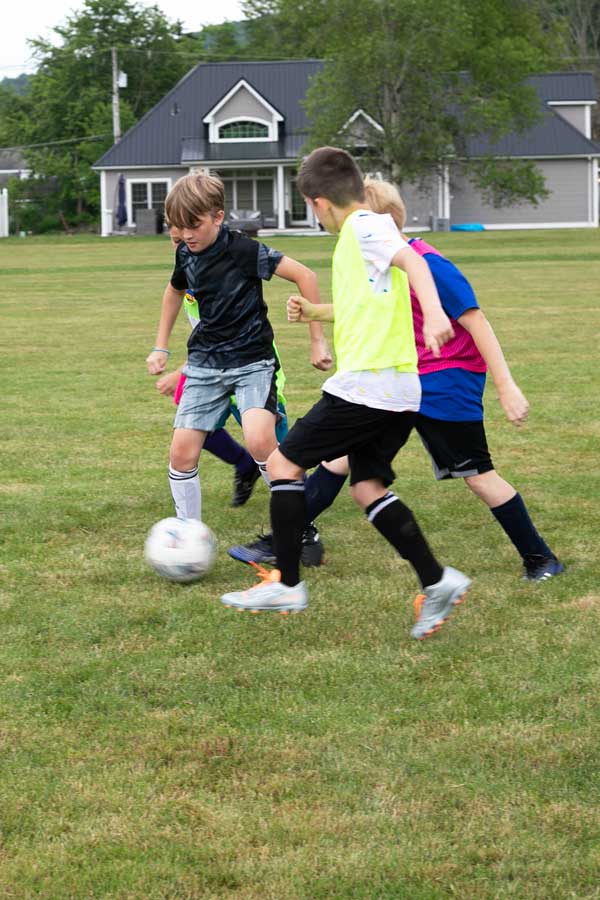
[[230, 351]]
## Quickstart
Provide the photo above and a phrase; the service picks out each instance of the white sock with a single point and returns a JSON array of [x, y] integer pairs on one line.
[[185, 490], [263, 471]]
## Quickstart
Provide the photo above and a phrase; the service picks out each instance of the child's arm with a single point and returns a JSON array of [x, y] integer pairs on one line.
[[437, 329], [167, 385], [511, 399], [299, 309], [171, 304], [306, 281]]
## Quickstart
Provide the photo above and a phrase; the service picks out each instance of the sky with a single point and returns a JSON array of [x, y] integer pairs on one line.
[[36, 18]]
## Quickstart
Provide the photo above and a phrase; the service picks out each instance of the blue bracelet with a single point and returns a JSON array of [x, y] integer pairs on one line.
[[160, 350]]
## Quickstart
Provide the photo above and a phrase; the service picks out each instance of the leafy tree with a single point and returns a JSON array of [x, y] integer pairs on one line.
[[67, 107], [435, 74]]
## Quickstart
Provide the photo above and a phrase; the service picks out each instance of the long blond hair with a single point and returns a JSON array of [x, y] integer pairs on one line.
[[383, 197]]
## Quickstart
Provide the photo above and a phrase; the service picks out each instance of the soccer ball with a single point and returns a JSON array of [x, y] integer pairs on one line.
[[180, 549]]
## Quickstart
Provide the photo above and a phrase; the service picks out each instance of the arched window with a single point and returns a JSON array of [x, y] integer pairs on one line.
[[243, 128]]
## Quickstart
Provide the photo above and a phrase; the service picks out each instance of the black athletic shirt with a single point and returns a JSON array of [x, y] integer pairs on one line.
[[226, 280]]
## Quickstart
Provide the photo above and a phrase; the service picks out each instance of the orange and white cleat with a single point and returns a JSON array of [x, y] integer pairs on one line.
[[437, 601], [270, 595]]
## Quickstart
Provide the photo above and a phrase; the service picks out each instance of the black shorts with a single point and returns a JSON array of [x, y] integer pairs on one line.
[[333, 428], [457, 449]]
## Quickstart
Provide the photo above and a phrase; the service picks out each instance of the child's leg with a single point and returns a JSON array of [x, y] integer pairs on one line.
[[323, 485], [183, 472], [259, 434], [221, 444], [288, 515], [398, 526], [509, 510]]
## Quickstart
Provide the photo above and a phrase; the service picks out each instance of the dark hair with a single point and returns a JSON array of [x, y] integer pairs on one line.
[[331, 173]]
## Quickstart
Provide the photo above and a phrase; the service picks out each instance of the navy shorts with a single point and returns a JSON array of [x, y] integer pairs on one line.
[[334, 427], [457, 449]]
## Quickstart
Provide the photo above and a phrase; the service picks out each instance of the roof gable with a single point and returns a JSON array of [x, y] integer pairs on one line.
[[157, 139], [242, 85]]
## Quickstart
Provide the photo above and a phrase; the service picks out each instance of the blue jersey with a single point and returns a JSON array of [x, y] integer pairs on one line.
[[453, 394]]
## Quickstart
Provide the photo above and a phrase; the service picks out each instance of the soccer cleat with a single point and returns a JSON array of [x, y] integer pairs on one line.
[[257, 552], [312, 547], [243, 485], [435, 604], [269, 595], [261, 550], [541, 568]]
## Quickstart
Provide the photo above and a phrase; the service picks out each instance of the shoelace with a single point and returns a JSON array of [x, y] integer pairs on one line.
[[266, 575]]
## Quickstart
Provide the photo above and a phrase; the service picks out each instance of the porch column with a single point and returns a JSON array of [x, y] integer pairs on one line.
[[106, 215], [280, 198]]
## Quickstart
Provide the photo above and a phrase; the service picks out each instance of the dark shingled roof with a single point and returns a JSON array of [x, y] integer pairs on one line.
[[160, 137], [173, 132]]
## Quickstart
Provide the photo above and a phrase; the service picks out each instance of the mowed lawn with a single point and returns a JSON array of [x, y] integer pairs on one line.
[[157, 745]]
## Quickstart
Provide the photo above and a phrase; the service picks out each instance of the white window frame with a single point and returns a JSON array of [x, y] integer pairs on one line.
[[271, 133], [254, 177], [213, 127], [147, 182]]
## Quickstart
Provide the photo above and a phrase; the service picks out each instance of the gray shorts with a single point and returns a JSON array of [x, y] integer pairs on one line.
[[207, 393]]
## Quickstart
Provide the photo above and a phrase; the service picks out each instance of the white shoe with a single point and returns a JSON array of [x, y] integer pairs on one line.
[[271, 595], [435, 604]]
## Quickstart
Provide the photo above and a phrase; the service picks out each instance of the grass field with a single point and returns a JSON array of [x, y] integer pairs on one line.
[[156, 745]]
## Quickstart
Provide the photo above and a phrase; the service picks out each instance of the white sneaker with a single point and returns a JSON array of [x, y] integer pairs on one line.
[[435, 604], [271, 595]]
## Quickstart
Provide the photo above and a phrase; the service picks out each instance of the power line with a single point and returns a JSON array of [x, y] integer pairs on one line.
[[77, 140]]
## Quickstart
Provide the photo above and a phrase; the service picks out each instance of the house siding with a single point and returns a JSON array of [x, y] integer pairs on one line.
[[577, 116], [567, 180], [243, 105], [109, 211]]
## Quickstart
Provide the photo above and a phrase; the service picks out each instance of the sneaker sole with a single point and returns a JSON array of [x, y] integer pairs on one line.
[[455, 601], [291, 610]]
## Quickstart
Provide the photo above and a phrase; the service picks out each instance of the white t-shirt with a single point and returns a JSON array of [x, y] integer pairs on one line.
[[379, 241]]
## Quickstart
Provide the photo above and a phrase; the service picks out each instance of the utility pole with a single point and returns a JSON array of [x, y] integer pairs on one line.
[[115, 97]]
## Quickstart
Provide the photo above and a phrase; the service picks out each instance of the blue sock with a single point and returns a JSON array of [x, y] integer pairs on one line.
[[515, 520], [321, 489], [224, 447]]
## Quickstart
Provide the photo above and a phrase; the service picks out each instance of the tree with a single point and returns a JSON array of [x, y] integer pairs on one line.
[[66, 111], [435, 74]]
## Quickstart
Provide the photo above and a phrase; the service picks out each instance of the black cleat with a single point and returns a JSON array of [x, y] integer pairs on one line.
[[261, 552], [243, 485]]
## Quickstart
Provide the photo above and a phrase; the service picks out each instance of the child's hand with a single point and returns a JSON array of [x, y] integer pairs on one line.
[[168, 384], [157, 362], [320, 355], [437, 331], [299, 309], [513, 403]]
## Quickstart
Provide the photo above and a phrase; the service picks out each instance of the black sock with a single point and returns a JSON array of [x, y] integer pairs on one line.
[[397, 524], [515, 520], [288, 518], [322, 487]]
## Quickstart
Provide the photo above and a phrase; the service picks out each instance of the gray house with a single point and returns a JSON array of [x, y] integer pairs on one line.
[[246, 121]]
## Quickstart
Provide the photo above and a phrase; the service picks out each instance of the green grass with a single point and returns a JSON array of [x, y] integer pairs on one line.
[[156, 745]]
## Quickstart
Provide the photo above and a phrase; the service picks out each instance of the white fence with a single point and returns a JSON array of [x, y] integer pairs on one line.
[[4, 213]]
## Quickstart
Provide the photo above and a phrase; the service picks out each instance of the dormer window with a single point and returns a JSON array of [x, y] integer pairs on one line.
[[242, 114], [243, 129]]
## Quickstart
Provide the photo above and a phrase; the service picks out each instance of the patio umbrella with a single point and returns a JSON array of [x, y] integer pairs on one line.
[[121, 204]]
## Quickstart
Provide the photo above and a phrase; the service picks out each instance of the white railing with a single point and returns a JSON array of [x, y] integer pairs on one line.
[[4, 213]]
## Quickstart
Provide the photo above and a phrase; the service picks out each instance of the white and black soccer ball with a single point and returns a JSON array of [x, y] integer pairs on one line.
[[180, 549]]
